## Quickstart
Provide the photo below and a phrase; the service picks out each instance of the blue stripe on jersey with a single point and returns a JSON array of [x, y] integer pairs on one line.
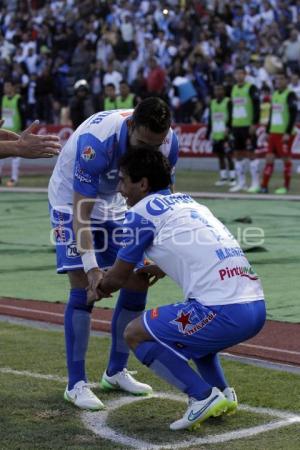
[[173, 155], [92, 159], [174, 150], [139, 234], [123, 139]]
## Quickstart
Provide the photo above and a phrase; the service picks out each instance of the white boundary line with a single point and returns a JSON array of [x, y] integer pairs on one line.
[[47, 313], [244, 196], [193, 194], [258, 362], [42, 312], [271, 349], [96, 421], [40, 376]]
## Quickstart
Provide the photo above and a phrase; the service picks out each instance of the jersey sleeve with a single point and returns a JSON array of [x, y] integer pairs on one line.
[[91, 160], [138, 235], [173, 155]]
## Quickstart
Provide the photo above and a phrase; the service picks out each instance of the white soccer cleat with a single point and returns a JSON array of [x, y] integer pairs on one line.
[[254, 189], [124, 381], [238, 188], [232, 402], [221, 182], [200, 410], [82, 397]]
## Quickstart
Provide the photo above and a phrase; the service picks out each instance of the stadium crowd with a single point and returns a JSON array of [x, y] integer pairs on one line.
[[176, 49]]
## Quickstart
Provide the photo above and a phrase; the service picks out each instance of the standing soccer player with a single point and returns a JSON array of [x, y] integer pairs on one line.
[[223, 298], [245, 118], [283, 116], [87, 212], [13, 114], [218, 129]]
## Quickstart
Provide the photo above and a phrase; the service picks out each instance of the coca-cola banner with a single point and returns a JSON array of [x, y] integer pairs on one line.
[[192, 141]]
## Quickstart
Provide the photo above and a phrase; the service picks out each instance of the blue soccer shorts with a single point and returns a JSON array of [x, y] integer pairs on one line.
[[107, 240], [192, 330]]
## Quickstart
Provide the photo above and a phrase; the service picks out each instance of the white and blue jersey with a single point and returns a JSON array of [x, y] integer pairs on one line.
[[88, 164], [192, 247]]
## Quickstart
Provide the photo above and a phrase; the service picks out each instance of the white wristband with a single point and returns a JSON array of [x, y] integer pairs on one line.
[[89, 260]]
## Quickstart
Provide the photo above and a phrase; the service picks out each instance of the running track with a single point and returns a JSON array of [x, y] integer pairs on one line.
[[277, 342]]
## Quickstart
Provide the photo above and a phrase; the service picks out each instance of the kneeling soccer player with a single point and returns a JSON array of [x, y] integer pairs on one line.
[[224, 301]]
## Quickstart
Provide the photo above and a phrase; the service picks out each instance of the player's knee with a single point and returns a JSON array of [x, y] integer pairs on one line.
[[129, 334]]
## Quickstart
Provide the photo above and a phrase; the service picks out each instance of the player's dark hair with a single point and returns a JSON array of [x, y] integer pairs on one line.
[[140, 162], [152, 113]]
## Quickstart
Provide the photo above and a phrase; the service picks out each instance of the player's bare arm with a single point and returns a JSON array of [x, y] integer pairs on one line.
[[113, 280], [83, 207], [153, 272]]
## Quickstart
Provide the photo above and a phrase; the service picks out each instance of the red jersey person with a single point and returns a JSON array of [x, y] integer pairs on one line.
[[283, 115]]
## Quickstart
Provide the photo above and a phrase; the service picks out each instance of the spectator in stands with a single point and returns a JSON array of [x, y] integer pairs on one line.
[[211, 37], [81, 59], [31, 114], [31, 61], [258, 73], [281, 133], [13, 114], [139, 86], [112, 76], [295, 87], [81, 105], [183, 97], [134, 64], [44, 96], [95, 79], [291, 51], [155, 78], [60, 71], [104, 49], [127, 33]]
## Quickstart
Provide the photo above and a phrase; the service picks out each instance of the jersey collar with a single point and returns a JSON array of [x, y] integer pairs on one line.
[[161, 192]]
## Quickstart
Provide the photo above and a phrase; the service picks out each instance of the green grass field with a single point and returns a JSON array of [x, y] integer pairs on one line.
[[32, 410], [27, 263], [186, 180], [35, 416]]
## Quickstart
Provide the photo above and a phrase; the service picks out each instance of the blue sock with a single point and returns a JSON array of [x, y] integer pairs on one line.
[[77, 332], [173, 369], [211, 370], [130, 305]]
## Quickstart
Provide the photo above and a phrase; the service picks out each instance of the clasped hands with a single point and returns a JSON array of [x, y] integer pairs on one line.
[[96, 276], [94, 292]]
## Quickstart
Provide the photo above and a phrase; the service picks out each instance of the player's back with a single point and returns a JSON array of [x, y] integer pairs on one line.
[[195, 249], [104, 126]]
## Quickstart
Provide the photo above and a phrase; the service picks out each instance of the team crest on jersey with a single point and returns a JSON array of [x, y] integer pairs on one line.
[[59, 233], [189, 321], [88, 153]]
